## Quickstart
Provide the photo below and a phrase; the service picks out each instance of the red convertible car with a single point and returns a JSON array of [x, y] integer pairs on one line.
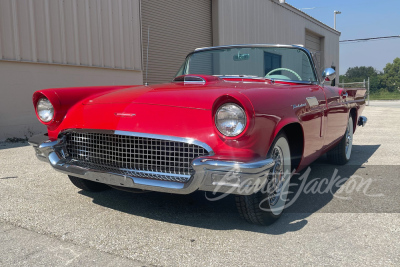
[[236, 119]]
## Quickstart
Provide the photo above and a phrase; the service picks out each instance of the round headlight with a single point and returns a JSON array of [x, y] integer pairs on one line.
[[230, 119], [45, 110]]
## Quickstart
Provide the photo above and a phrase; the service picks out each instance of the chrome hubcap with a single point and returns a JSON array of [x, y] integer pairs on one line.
[[277, 176], [348, 138]]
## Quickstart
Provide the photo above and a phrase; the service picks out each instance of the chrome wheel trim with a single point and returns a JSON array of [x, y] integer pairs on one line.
[[276, 176], [278, 184], [349, 138]]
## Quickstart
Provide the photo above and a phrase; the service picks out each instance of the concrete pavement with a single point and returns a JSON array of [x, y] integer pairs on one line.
[[45, 220]]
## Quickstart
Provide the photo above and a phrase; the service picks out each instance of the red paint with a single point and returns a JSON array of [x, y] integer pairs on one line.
[[188, 109]]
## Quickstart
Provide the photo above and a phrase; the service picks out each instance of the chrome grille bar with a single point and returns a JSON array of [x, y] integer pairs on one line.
[[132, 155]]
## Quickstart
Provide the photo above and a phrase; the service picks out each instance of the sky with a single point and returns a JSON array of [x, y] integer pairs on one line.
[[360, 19]]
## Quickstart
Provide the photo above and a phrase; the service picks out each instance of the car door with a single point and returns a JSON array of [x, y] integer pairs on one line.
[[336, 115], [313, 121]]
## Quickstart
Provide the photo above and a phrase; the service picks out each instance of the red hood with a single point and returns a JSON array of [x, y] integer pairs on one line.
[[174, 109], [177, 94]]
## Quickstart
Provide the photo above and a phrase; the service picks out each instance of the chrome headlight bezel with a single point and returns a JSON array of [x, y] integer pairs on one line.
[[237, 113], [45, 110]]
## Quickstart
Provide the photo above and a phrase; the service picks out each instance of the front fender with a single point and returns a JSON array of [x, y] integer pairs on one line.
[[281, 124], [64, 98]]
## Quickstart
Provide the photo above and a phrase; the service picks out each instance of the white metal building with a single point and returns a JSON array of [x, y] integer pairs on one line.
[[64, 43]]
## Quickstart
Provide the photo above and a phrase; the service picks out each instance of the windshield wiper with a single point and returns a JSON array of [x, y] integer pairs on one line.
[[238, 76], [289, 81]]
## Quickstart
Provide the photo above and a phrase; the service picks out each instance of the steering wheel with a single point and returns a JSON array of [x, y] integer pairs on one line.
[[289, 70]]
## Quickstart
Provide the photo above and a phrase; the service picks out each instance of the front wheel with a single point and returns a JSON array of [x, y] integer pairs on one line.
[[266, 206], [341, 153]]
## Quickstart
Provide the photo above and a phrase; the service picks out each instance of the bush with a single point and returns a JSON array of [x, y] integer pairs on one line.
[[384, 94]]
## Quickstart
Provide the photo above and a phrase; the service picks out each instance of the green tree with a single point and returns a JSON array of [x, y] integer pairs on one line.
[[358, 74], [389, 80], [391, 75], [376, 83]]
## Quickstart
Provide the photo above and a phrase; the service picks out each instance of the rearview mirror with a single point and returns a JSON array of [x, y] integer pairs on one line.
[[240, 57], [329, 74]]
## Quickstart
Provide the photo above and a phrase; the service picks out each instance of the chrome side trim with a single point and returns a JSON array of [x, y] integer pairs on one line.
[[312, 101]]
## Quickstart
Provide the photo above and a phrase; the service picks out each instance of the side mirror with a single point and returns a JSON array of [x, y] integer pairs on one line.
[[329, 75]]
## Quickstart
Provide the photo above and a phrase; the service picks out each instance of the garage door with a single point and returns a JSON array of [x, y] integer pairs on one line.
[[314, 44], [176, 28]]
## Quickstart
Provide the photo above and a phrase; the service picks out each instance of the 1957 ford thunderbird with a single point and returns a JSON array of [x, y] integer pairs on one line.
[[236, 119]]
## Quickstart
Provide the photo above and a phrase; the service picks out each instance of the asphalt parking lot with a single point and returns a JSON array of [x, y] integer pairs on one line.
[[45, 220]]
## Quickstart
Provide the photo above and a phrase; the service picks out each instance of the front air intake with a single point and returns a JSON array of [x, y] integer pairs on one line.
[[136, 156]]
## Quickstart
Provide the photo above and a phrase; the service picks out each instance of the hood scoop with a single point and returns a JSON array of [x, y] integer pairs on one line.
[[196, 79], [190, 79]]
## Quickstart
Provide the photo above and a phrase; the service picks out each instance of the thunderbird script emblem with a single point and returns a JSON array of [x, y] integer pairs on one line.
[[299, 105], [123, 114]]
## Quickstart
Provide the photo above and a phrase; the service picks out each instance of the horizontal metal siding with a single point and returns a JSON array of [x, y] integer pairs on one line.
[[313, 43], [265, 21], [94, 33], [176, 28]]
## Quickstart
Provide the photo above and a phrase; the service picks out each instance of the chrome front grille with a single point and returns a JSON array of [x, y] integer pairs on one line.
[[133, 155]]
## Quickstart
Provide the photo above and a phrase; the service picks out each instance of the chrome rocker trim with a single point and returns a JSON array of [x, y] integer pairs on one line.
[[210, 174]]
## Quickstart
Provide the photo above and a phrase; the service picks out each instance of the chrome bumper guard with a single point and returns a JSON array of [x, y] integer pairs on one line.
[[210, 174]]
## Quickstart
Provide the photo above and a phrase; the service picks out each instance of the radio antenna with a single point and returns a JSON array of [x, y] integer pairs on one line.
[[147, 56]]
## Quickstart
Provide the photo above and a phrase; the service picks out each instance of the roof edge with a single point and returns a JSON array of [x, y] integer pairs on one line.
[[306, 16]]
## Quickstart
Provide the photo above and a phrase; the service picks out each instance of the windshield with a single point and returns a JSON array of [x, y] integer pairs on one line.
[[280, 63]]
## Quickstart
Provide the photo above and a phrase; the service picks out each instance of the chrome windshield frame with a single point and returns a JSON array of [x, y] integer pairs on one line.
[[308, 53]]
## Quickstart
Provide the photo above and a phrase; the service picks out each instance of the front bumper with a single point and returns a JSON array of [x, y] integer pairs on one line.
[[210, 174]]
